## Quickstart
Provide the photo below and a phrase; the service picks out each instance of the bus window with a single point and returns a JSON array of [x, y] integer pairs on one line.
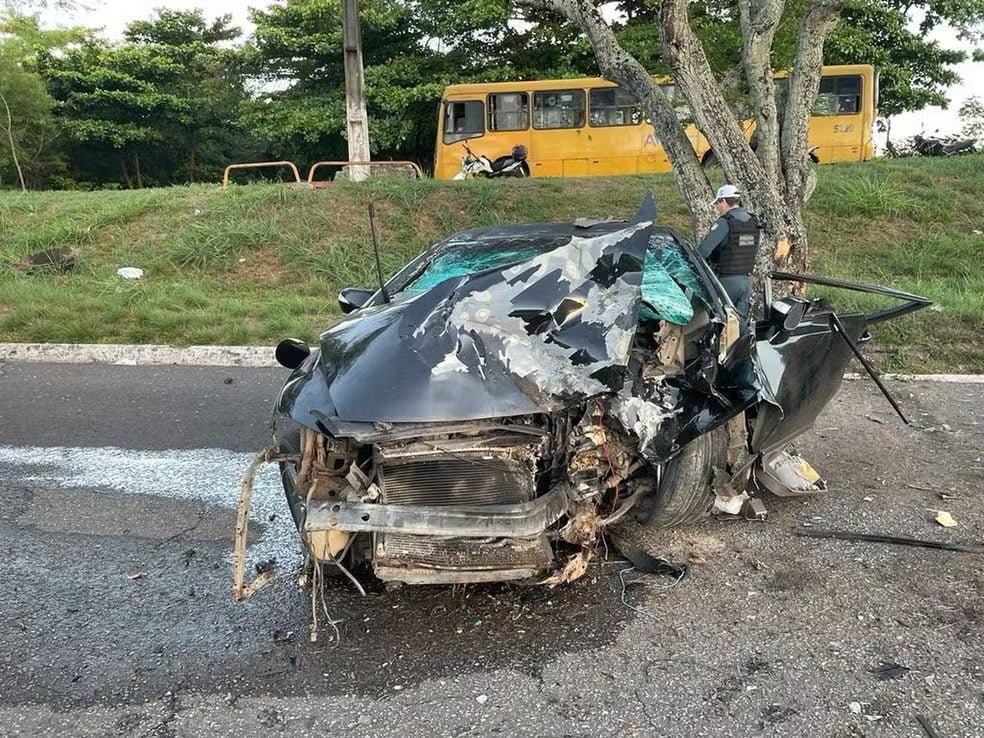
[[463, 120], [509, 111], [677, 100], [839, 95], [613, 106], [558, 109]]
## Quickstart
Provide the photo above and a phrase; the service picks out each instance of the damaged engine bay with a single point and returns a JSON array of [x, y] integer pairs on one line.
[[515, 391]]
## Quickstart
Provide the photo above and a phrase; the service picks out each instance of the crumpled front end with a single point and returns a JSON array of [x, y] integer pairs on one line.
[[491, 426]]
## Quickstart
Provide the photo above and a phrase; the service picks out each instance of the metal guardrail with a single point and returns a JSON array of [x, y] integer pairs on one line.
[[412, 166], [260, 165]]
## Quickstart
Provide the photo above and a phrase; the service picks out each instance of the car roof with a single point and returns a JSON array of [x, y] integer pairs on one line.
[[543, 235]]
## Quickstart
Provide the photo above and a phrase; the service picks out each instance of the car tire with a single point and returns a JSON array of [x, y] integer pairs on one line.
[[685, 494], [290, 443]]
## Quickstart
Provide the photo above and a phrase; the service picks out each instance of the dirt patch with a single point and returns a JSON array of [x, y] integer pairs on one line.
[[259, 267]]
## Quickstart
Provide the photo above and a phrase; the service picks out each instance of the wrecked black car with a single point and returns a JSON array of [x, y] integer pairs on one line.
[[516, 390]]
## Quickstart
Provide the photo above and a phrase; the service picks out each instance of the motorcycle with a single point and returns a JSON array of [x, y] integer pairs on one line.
[[937, 146], [513, 164]]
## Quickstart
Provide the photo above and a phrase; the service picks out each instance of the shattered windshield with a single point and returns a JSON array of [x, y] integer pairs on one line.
[[668, 283]]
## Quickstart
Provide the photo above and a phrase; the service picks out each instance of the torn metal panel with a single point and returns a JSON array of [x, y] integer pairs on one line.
[[476, 521], [799, 372], [529, 338]]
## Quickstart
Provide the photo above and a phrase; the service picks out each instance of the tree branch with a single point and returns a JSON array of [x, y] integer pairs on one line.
[[621, 67], [804, 83], [13, 147], [692, 73], [759, 20]]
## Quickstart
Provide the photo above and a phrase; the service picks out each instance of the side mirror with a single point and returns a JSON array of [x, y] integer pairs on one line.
[[353, 298], [788, 312], [291, 353]]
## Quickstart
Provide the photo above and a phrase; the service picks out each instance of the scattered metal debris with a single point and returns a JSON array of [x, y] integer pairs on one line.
[[844, 535], [241, 590]]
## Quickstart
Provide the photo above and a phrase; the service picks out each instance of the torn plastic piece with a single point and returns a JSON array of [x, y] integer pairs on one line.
[[130, 272], [731, 505], [787, 475], [888, 670], [945, 519], [754, 509]]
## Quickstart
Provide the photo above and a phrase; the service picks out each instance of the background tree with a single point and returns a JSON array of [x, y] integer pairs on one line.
[[776, 175], [972, 117], [29, 136], [161, 107], [296, 59]]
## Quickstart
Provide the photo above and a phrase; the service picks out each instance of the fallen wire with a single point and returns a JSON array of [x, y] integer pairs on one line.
[[845, 535], [621, 578], [927, 726]]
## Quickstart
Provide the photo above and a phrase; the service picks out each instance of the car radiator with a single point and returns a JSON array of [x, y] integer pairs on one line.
[[498, 471]]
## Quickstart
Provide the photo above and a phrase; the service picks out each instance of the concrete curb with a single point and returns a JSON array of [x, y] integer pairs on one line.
[[255, 356], [138, 355]]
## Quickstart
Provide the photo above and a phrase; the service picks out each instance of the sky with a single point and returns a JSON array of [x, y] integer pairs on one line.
[[113, 16]]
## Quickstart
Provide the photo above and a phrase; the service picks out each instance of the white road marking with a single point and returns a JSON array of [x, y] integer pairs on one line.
[[138, 355], [212, 476]]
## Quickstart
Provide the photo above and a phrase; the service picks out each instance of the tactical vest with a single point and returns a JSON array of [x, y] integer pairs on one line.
[[737, 254]]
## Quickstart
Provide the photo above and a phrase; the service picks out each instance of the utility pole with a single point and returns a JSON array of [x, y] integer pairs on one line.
[[357, 123]]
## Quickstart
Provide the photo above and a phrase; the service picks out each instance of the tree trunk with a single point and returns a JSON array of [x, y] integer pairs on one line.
[[759, 20], [804, 83], [123, 169], [620, 67], [13, 146], [776, 179], [136, 170]]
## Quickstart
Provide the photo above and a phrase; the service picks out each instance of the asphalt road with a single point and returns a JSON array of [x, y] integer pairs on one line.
[[119, 484]]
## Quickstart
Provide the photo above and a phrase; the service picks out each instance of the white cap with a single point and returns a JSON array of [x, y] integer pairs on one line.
[[727, 190]]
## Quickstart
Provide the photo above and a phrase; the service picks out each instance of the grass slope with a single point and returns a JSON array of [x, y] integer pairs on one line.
[[255, 263]]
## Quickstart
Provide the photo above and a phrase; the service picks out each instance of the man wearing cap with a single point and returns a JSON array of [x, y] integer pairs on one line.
[[731, 246]]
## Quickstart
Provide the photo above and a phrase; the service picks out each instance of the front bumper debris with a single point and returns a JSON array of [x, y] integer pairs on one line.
[[476, 521]]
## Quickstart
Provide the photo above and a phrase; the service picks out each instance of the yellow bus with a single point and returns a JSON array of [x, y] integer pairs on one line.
[[591, 127]]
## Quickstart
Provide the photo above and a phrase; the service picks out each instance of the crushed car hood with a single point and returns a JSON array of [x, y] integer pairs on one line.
[[532, 337]]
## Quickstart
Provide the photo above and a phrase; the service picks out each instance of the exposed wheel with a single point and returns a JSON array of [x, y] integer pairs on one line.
[[685, 494], [291, 443]]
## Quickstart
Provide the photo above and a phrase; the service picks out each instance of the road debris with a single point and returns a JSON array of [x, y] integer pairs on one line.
[[265, 573], [927, 727], [137, 575], [945, 519], [844, 535], [889, 670], [130, 272]]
